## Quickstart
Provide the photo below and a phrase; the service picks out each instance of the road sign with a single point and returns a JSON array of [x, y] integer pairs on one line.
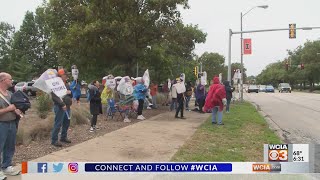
[[292, 31], [247, 46]]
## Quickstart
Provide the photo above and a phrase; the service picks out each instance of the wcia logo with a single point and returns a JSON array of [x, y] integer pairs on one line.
[[57, 167]]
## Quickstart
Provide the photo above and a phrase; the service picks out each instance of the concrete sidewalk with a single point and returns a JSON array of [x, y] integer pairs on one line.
[[153, 140]]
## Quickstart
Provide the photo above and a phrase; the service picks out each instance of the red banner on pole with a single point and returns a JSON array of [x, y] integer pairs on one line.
[[247, 46]]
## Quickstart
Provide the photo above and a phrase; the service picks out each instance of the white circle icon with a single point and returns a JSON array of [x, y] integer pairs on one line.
[[273, 155]]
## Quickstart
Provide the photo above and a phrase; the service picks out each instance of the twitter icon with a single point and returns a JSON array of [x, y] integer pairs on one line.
[[57, 167]]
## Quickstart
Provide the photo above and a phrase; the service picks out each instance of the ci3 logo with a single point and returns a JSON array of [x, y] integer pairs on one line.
[[73, 167]]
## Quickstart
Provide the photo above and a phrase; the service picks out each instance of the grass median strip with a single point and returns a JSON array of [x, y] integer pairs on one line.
[[240, 139]]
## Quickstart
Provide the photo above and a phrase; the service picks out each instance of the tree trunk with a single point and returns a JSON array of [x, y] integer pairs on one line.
[[311, 86], [300, 86], [304, 85]]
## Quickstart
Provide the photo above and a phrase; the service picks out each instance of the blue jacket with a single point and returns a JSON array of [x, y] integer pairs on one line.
[[75, 89], [140, 91]]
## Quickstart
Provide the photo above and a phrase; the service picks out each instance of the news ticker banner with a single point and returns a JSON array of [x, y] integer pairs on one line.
[[210, 167]]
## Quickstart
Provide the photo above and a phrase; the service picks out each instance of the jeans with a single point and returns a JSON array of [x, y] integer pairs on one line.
[[228, 105], [154, 101], [61, 119], [187, 102], [216, 111], [8, 133]]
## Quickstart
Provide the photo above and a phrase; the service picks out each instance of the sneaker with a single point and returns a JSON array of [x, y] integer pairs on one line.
[[182, 117], [57, 144], [214, 122], [140, 117], [221, 124], [149, 107], [126, 120], [65, 140], [96, 128], [2, 176], [11, 171], [91, 129]]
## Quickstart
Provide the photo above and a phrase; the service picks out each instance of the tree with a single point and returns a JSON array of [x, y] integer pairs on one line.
[[31, 47], [103, 34], [6, 33], [213, 64]]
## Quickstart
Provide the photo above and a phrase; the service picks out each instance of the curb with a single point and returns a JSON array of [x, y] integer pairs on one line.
[[272, 125]]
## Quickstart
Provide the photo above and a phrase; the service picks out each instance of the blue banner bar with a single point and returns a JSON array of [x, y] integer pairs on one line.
[[158, 167]]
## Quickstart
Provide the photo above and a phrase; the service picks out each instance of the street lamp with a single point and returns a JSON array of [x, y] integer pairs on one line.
[[241, 39]]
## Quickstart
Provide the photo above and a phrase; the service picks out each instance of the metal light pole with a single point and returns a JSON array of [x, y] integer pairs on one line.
[[241, 41], [229, 56]]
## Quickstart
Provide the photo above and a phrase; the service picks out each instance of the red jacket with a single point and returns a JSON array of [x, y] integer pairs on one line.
[[215, 95]]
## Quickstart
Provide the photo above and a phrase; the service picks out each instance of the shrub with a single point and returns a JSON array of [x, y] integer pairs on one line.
[[79, 115], [44, 105], [161, 98]]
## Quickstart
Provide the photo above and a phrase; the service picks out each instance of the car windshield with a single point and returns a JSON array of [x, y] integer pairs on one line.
[[285, 85], [253, 87], [269, 87], [262, 86]]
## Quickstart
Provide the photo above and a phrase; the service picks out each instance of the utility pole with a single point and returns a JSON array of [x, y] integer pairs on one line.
[[255, 31]]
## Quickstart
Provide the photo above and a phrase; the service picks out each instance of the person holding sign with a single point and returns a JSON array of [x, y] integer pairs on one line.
[[180, 90], [62, 113], [75, 87], [139, 92], [8, 127]]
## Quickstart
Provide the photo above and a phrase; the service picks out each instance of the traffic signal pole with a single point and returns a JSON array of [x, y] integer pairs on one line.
[[255, 31]]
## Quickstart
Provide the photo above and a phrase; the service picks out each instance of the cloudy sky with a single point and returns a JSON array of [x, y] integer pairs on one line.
[[215, 17]]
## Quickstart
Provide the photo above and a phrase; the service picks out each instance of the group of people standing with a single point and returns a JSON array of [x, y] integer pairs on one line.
[[213, 100]]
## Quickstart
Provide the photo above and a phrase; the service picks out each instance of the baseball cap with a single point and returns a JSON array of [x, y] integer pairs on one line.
[[62, 72]]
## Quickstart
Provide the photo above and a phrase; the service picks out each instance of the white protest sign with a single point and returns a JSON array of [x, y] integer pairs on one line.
[[111, 83], [57, 86], [75, 73], [204, 78]]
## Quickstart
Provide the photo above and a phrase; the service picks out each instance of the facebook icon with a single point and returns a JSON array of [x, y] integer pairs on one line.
[[42, 167]]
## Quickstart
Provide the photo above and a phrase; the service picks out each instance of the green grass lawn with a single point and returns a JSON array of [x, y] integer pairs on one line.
[[240, 139]]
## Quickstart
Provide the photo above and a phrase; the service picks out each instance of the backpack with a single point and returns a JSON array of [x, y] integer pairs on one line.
[[21, 101], [89, 96]]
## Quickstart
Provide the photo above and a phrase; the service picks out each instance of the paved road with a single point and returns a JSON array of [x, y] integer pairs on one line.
[[297, 114]]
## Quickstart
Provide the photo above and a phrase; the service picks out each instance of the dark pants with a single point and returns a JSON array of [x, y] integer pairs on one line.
[[94, 120], [201, 104], [140, 107], [180, 107], [228, 105], [61, 119], [8, 133]]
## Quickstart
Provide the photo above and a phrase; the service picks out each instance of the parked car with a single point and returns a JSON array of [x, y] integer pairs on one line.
[[26, 87], [262, 88], [284, 87], [253, 88], [269, 88]]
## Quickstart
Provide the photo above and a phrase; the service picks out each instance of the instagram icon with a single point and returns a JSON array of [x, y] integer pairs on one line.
[[73, 167]]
